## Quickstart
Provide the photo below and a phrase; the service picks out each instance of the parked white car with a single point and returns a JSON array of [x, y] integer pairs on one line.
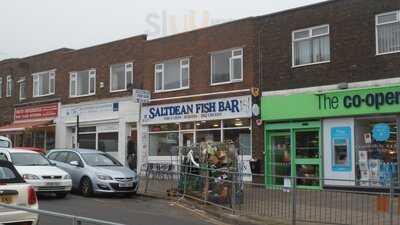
[[15, 191], [38, 171], [5, 142]]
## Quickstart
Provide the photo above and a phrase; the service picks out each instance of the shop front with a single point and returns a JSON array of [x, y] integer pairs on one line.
[[343, 137], [167, 127], [107, 126], [33, 126]]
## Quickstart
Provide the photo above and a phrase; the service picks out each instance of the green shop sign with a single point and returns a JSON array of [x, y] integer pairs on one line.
[[331, 104]]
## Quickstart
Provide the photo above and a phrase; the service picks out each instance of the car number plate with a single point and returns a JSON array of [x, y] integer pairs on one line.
[[7, 199], [128, 184], [53, 184]]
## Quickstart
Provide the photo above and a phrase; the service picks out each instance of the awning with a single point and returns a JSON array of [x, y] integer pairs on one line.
[[21, 126]]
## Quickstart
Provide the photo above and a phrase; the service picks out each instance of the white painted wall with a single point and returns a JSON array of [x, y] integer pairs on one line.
[[327, 153], [127, 114]]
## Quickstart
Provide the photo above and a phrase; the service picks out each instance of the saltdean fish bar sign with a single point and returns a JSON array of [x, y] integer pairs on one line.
[[216, 109]]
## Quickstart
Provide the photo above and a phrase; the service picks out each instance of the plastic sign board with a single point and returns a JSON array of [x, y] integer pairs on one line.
[[48, 111], [215, 109], [141, 96]]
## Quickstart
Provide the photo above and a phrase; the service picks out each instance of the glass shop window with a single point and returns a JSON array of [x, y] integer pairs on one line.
[[376, 151]]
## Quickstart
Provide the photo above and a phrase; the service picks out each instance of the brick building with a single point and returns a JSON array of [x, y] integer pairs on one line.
[[195, 70], [329, 81]]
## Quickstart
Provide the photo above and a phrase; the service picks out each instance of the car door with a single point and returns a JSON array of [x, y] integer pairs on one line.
[[76, 172]]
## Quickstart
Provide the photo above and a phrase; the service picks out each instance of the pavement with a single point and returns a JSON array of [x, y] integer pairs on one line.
[[138, 210]]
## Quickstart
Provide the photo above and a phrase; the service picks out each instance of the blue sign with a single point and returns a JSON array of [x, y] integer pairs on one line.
[[381, 132], [341, 149]]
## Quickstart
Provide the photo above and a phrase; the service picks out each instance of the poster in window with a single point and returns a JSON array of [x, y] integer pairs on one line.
[[341, 149]]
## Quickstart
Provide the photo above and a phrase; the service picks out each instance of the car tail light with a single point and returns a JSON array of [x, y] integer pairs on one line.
[[32, 198]]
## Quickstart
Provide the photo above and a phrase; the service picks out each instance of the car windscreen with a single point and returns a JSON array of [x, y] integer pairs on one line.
[[4, 144], [99, 159], [8, 174], [29, 159]]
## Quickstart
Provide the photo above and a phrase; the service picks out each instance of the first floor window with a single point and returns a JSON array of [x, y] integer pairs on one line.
[[44, 83], [9, 86], [121, 76], [227, 66], [22, 90], [388, 32], [83, 83], [311, 45], [172, 75]]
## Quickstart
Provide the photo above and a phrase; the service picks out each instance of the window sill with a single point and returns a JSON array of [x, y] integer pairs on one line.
[[116, 91], [39, 96], [79, 96], [171, 90], [387, 53], [311, 64], [224, 83]]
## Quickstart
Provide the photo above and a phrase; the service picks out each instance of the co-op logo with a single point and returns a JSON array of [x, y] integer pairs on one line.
[[167, 23], [376, 100]]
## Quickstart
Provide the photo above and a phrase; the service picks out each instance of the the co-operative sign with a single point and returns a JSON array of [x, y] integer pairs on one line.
[[375, 100], [236, 107]]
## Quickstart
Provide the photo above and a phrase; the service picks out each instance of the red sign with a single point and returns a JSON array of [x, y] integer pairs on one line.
[[49, 111]]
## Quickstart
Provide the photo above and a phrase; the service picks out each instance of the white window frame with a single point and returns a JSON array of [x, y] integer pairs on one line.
[[1, 87], [376, 30], [128, 68], [35, 83], [231, 79], [9, 86], [20, 82], [92, 74], [311, 36], [181, 67]]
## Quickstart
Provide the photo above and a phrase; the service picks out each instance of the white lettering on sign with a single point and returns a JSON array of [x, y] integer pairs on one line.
[[236, 107]]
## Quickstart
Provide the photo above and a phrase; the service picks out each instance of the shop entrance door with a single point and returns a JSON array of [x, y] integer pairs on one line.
[[307, 158], [187, 139], [280, 158], [293, 151]]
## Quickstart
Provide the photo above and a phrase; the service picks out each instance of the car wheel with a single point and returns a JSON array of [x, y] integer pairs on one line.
[[61, 194], [86, 187]]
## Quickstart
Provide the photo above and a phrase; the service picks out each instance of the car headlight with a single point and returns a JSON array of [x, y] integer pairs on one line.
[[67, 177], [30, 177], [104, 177]]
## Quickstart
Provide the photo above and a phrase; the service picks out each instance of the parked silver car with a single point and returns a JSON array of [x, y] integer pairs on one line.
[[95, 172]]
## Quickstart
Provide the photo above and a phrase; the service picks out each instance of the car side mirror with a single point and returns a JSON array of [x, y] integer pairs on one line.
[[74, 163]]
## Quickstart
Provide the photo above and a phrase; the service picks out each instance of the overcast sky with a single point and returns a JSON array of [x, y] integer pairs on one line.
[[29, 27]]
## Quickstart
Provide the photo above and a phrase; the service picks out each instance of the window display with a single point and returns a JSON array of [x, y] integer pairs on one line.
[[376, 148], [163, 144]]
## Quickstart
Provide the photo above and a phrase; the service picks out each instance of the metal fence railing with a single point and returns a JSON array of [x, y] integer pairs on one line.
[[60, 218], [293, 202]]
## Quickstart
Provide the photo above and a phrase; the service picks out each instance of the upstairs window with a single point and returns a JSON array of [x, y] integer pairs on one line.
[[388, 33], [121, 76], [311, 46], [9, 86], [82, 83], [44, 83], [1, 87], [171, 75], [22, 89], [227, 66]]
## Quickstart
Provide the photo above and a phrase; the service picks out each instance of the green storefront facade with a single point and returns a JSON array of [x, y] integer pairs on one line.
[[342, 137]]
